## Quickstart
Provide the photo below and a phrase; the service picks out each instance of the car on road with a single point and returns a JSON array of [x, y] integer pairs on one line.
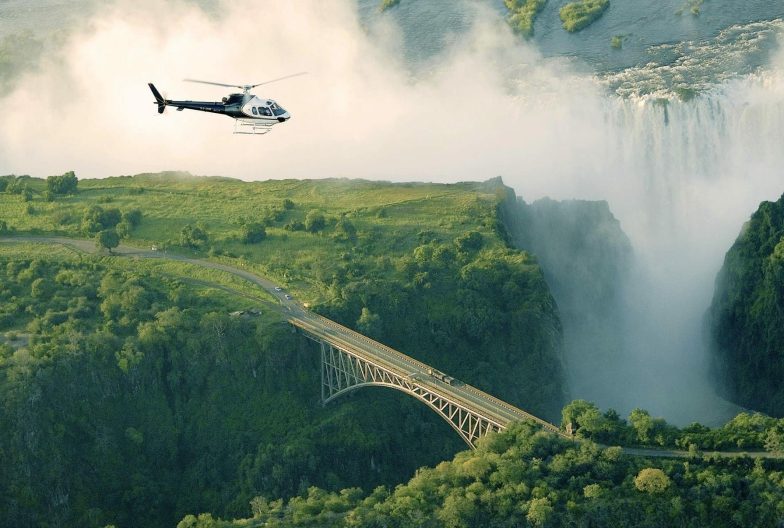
[[288, 297], [278, 288]]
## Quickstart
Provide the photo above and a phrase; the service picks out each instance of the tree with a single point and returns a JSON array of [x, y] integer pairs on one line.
[[539, 511], [288, 204], [133, 217], [108, 238], [314, 221], [64, 184], [368, 322], [4, 227], [96, 218], [470, 241], [652, 480], [193, 236], [581, 415], [345, 230], [642, 423], [253, 232]]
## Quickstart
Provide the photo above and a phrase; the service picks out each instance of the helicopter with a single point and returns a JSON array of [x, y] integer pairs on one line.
[[252, 114]]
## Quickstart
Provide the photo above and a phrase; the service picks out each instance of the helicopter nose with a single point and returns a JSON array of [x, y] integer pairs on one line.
[[284, 117]]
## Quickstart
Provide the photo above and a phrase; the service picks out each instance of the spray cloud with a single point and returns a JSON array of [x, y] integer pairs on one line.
[[681, 177]]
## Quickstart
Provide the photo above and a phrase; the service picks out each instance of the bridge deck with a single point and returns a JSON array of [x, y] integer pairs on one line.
[[478, 401]]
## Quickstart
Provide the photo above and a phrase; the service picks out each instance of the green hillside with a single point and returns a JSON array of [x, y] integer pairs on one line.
[[533, 479], [118, 366], [746, 318]]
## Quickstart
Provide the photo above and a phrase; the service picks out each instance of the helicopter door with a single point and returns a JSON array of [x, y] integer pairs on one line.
[[264, 111]]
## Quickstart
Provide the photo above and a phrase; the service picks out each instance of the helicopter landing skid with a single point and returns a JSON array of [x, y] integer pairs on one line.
[[250, 126]]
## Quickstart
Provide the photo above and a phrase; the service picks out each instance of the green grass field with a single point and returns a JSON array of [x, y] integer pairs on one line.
[[223, 289], [388, 219]]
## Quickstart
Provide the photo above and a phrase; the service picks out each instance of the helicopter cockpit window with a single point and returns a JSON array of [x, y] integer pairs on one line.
[[254, 111], [263, 110], [277, 110]]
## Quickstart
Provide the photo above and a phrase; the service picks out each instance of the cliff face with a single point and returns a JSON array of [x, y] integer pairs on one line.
[[585, 257], [745, 322]]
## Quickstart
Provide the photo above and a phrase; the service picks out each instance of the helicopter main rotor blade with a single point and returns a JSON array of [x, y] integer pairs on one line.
[[215, 84], [278, 79]]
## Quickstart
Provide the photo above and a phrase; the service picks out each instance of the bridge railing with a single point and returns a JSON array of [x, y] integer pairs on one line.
[[515, 411]]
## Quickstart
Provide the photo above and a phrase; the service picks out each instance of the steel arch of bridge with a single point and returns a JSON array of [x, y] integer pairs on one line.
[[343, 371]]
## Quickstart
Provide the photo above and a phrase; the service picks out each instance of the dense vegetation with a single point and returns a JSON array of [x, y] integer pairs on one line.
[[578, 15], [527, 478], [746, 431], [133, 398], [746, 318], [522, 14], [424, 267]]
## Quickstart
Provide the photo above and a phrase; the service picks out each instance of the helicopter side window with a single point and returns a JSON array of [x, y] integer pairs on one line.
[[265, 111], [254, 110]]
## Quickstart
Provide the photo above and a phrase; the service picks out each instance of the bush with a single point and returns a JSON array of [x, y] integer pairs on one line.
[[253, 233], [65, 184], [387, 4], [193, 236], [315, 221], [96, 219], [578, 15], [652, 480], [522, 14], [133, 217]]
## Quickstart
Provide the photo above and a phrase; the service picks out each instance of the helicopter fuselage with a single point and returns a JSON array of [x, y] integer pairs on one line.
[[243, 106]]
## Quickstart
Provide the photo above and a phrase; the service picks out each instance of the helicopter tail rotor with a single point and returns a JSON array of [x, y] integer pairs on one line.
[[158, 98]]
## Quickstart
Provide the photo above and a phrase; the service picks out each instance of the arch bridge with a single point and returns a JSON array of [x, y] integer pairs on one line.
[[350, 360]]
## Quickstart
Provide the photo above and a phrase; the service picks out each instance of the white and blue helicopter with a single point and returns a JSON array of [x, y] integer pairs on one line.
[[251, 114]]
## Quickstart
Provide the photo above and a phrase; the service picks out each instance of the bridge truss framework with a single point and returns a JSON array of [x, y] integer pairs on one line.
[[343, 371]]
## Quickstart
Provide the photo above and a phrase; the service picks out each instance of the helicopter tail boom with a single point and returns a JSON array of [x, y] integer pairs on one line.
[[158, 98]]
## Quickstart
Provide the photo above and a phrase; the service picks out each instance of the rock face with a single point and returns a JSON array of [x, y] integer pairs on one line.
[[585, 257], [746, 319]]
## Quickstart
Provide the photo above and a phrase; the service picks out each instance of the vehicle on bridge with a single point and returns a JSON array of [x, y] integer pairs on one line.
[[437, 374]]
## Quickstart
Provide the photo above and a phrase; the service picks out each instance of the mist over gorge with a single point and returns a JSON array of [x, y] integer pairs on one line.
[[489, 274], [682, 152]]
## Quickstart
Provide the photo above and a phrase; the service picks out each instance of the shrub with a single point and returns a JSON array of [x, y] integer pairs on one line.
[[652, 480], [522, 14], [253, 233], [578, 15], [65, 184], [315, 221], [387, 4], [133, 217], [193, 236]]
